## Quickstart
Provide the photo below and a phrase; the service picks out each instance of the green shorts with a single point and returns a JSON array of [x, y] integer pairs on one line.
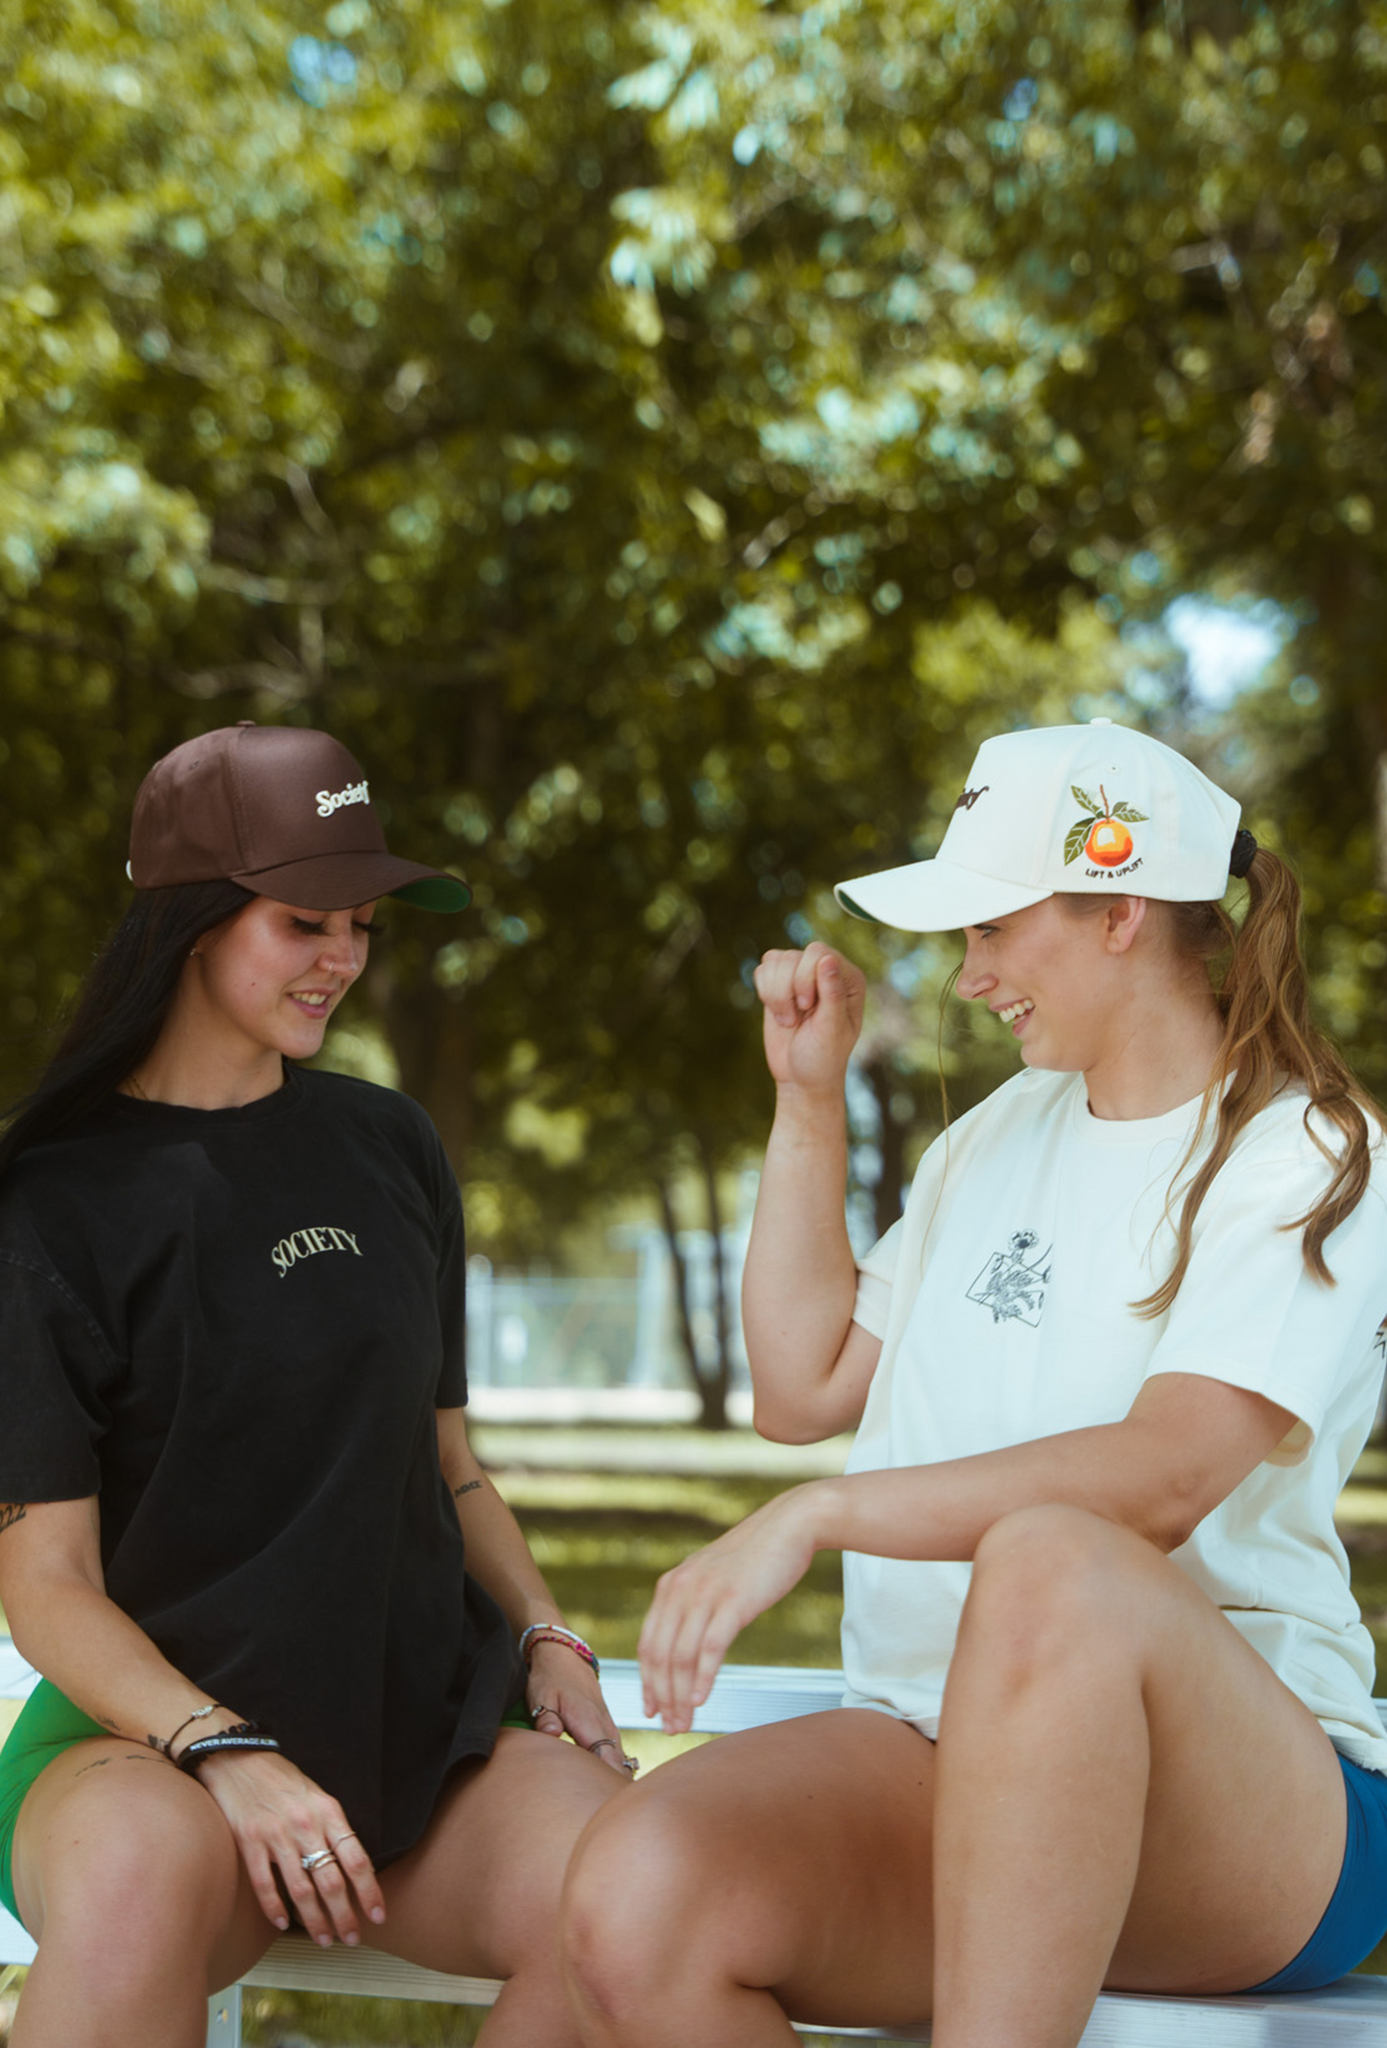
[[48, 1724]]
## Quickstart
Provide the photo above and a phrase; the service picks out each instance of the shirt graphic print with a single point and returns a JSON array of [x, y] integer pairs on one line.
[[1012, 1284]]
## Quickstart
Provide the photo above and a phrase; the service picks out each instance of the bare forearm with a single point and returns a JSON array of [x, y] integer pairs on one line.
[[943, 1511], [801, 1279], [1186, 1443], [498, 1556], [104, 1662], [561, 1693]]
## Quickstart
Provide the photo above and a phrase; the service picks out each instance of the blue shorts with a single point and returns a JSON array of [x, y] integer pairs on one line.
[[1355, 1919]]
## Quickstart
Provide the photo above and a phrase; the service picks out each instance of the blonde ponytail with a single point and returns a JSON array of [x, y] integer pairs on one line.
[[1268, 1043]]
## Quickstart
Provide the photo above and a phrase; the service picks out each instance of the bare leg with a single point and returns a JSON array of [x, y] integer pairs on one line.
[[783, 1870], [1122, 1792], [129, 1877], [479, 1894], [1124, 1787]]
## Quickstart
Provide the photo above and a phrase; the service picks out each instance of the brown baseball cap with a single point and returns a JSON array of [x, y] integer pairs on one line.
[[280, 810]]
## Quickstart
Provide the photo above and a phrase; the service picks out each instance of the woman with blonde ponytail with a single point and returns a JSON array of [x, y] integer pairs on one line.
[[1109, 1716]]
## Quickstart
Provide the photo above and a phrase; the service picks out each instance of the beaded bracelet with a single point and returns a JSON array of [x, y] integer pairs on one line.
[[551, 1632], [245, 1737]]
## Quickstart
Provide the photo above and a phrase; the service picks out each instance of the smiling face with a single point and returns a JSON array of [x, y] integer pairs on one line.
[[266, 983], [1054, 978]]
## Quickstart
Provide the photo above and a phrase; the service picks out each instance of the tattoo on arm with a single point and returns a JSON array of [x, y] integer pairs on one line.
[[10, 1513], [467, 1486]]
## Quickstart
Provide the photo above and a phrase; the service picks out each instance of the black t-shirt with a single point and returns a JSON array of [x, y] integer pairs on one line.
[[234, 1326]]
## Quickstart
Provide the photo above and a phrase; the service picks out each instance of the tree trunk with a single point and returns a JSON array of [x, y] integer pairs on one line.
[[710, 1388], [886, 1195], [430, 1034], [681, 1284], [714, 1391]]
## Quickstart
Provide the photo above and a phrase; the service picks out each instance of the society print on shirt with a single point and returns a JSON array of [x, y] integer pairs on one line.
[[304, 1244]]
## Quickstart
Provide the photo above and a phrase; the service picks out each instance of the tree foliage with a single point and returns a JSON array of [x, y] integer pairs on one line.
[[662, 443]]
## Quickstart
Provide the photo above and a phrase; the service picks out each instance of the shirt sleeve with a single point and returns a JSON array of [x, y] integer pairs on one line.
[[1250, 1312], [875, 1274], [55, 1369]]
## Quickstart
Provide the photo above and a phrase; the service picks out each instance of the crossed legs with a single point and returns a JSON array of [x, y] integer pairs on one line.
[[1122, 1792]]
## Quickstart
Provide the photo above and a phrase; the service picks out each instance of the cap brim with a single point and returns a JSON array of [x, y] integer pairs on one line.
[[339, 881], [933, 896]]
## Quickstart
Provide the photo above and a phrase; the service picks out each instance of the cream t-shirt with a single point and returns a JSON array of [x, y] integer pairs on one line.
[[1002, 1298]]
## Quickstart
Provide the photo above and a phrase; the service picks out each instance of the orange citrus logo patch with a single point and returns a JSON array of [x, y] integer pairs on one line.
[[1103, 833]]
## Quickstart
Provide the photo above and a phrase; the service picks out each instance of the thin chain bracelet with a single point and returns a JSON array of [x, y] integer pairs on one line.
[[165, 1748]]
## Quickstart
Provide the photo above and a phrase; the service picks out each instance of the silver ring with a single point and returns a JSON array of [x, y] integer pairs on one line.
[[605, 1742], [631, 1764], [535, 1712], [350, 1836], [317, 1859]]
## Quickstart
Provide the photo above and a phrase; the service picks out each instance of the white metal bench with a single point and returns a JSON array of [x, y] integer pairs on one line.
[[1349, 2014]]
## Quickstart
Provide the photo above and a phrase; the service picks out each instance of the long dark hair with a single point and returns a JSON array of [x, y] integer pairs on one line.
[[121, 1007]]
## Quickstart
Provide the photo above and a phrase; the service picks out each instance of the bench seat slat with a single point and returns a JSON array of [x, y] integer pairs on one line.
[[1352, 2012], [748, 1696], [743, 1696], [294, 1963]]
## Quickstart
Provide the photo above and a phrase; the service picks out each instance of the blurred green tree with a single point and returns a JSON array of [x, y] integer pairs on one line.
[[662, 445], [1040, 300]]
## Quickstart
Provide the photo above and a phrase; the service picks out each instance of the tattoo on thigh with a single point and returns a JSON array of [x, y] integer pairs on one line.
[[467, 1486], [131, 1756], [10, 1513]]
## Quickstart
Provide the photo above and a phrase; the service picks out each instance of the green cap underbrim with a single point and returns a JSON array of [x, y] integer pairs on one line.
[[855, 909], [435, 892]]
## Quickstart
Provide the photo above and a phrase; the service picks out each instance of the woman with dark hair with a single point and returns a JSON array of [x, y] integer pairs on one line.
[[1109, 1717], [277, 1683]]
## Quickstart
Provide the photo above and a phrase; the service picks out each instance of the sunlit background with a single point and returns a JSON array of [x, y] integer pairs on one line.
[[662, 442]]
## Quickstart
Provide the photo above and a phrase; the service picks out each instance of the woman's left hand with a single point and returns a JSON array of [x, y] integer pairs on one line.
[[565, 1698], [705, 1602]]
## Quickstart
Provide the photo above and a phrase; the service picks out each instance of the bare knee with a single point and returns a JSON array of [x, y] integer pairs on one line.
[[120, 1883], [1050, 1584], [631, 1903]]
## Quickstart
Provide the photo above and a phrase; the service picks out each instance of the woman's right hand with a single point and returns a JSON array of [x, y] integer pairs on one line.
[[703, 1604], [278, 1817], [813, 1014]]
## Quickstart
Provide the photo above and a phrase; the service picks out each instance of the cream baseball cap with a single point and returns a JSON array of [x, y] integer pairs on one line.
[[1090, 809]]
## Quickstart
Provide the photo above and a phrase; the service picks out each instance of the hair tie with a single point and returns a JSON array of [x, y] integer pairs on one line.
[[1240, 859]]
